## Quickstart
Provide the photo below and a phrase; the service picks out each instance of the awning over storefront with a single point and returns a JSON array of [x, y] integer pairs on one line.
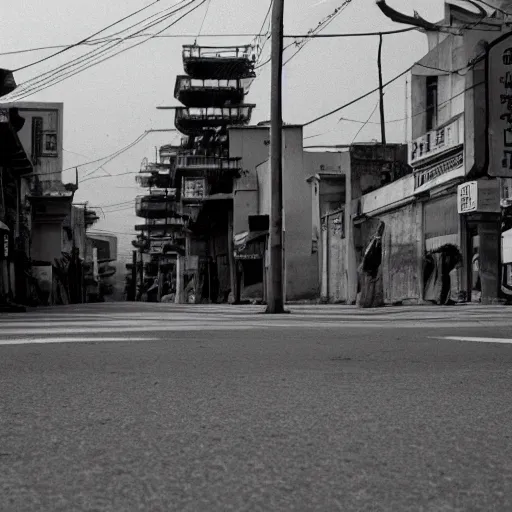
[[250, 245], [245, 238]]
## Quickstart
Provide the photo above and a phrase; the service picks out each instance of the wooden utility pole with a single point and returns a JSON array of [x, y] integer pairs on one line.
[[275, 297], [381, 92]]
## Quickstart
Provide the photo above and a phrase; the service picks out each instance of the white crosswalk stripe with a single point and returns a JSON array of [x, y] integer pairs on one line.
[[146, 322], [474, 339]]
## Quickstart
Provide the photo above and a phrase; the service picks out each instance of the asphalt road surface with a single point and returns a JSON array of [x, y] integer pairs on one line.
[[124, 407]]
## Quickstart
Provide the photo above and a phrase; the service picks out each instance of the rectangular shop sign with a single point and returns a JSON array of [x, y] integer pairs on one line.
[[436, 142], [429, 176], [499, 106], [481, 196]]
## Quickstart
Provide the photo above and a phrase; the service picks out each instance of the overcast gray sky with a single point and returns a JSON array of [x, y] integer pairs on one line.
[[108, 106]]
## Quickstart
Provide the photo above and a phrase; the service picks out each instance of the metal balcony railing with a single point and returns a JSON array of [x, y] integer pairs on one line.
[[194, 120], [186, 83], [163, 192], [232, 113], [218, 52], [161, 225], [228, 62], [198, 162], [199, 92], [154, 204]]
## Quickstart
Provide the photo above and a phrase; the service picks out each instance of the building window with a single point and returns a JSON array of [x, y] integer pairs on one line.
[[50, 144], [432, 104], [37, 138], [194, 188]]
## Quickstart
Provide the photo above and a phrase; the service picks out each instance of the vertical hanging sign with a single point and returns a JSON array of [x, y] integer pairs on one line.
[[499, 107]]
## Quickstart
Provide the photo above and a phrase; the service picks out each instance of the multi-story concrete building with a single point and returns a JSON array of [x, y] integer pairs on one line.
[[43, 202], [14, 164], [200, 174], [323, 231], [449, 147], [162, 230]]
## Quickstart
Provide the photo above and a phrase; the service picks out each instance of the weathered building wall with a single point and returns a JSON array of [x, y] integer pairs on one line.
[[302, 266], [441, 222], [301, 262], [251, 144], [245, 202], [336, 257], [401, 257], [46, 240], [332, 162], [263, 181]]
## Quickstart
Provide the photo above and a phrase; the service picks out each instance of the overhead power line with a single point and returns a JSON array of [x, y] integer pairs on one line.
[[204, 19], [266, 34], [322, 25], [113, 204], [106, 46], [365, 124], [402, 118], [369, 93], [88, 38], [108, 158], [350, 34], [50, 81], [118, 152], [93, 42], [94, 53]]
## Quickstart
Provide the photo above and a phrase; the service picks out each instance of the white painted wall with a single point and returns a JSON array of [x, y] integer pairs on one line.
[[387, 197], [507, 246]]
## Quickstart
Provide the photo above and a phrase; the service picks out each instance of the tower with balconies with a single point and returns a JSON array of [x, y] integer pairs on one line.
[[161, 239], [213, 95]]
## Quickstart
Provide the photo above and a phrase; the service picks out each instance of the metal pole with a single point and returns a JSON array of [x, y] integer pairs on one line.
[[381, 92], [275, 302], [406, 138], [135, 263]]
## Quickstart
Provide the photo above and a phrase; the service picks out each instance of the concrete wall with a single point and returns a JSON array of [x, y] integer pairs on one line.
[[263, 181], [245, 202], [300, 283], [402, 255], [252, 145], [386, 197], [332, 162], [103, 239], [336, 258], [302, 265], [46, 241]]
